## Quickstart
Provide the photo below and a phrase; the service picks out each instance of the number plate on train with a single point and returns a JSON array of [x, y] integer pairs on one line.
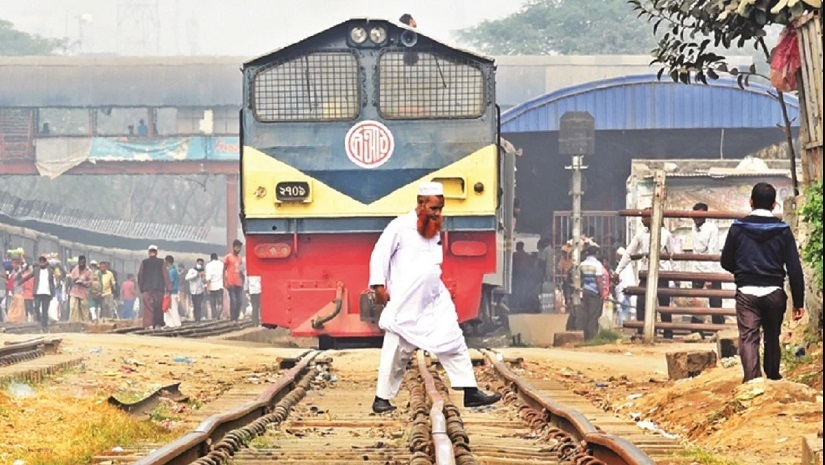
[[292, 191]]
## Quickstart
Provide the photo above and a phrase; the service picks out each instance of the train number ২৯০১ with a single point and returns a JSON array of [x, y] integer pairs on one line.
[[292, 191]]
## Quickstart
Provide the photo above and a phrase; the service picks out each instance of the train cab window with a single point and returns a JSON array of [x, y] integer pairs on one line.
[[317, 87], [429, 85]]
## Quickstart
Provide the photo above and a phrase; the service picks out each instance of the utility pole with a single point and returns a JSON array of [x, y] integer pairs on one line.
[[651, 294], [576, 192], [577, 139]]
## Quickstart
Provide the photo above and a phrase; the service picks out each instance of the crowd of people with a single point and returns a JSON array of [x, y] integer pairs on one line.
[[162, 293]]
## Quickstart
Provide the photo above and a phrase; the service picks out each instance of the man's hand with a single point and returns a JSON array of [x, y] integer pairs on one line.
[[798, 313], [381, 295]]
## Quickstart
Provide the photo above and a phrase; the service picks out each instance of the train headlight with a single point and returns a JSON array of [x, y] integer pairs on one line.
[[378, 35], [358, 35]]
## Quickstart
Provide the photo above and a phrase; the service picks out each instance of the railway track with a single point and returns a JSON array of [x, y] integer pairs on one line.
[[16, 352], [319, 412], [191, 330]]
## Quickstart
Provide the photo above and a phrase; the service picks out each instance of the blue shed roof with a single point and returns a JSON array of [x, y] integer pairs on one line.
[[644, 102]]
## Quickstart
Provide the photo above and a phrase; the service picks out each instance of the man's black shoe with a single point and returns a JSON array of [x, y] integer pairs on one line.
[[475, 398], [380, 405]]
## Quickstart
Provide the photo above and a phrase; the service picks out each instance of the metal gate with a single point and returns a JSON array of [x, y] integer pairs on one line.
[[604, 227]]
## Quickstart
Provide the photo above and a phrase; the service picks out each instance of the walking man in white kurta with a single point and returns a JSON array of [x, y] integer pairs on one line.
[[406, 264]]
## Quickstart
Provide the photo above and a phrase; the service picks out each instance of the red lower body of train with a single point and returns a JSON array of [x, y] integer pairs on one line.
[[312, 283]]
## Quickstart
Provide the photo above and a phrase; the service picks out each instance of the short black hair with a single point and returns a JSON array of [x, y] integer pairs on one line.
[[170, 259], [42, 258], [81, 257], [214, 256], [763, 196], [200, 260], [700, 207], [592, 250], [406, 18], [237, 242]]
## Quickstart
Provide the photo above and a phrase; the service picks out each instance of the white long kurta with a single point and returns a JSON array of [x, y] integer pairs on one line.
[[420, 309]]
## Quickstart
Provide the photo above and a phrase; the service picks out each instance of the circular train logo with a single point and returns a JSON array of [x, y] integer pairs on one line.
[[369, 144]]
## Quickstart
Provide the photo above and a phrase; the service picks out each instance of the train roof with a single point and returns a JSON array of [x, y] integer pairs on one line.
[[289, 49]]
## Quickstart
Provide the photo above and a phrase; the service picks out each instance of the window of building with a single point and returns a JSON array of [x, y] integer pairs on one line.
[[318, 86], [429, 85], [123, 122], [63, 122]]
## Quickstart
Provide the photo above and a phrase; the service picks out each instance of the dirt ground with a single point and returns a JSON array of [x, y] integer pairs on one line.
[[760, 423], [752, 424], [128, 367]]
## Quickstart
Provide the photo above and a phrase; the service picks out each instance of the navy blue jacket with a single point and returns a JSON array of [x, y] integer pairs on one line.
[[757, 251]]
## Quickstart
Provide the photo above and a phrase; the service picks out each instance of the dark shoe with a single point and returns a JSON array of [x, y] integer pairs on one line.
[[476, 398], [380, 405]]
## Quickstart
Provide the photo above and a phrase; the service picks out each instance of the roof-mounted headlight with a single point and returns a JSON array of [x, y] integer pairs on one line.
[[378, 35], [358, 34]]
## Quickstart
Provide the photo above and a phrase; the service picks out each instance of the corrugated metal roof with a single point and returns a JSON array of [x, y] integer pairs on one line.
[[16, 207], [644, 102]]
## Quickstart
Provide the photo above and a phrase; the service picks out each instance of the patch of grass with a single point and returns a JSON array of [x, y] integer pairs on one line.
[[64, 430], [605, 336], [706, 458], [791, 361]]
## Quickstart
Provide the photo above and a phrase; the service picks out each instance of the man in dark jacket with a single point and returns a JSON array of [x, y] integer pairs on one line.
[[154, 283], [758, 250]]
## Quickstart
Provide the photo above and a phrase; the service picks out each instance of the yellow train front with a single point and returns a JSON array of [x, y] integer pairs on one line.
[[337, 131]]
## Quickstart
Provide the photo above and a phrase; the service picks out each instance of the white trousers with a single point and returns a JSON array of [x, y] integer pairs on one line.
[[171, 317], [396, 353]]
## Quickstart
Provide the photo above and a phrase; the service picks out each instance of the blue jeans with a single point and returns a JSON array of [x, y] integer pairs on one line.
[[127, 311]]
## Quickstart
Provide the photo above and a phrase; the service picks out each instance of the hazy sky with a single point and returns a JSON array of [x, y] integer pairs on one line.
[[223, 27]]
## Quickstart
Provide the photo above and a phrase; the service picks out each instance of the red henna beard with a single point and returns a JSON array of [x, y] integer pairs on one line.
[[427, 226]]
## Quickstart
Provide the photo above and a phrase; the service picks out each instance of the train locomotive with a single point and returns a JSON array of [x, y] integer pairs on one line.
[[337, 131]]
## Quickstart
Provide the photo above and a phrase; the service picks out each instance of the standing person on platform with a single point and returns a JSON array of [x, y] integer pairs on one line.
[[44, 286], [108, 284], [127, 296], [82, 280], [640, 244], [593, 285], [758, 251], [706, 241], [254, 283], [405, 274], [233, 279], [171, 317], [197, 289], [154, 283], [214, 283]]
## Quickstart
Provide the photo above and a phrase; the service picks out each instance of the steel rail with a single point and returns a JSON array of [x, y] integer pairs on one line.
[[609, 449], [690, 276], [443, 447], [716, 215], [196, 444], [683, 292], [684, 257]]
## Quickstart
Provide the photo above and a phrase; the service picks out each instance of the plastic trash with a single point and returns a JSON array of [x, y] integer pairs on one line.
[[96, 350], [20, 390], [19, 462], [117, 449], [186, 360]]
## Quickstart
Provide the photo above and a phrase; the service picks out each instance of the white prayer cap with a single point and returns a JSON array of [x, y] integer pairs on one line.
[[430, 188], [621, 251], [153, 247]]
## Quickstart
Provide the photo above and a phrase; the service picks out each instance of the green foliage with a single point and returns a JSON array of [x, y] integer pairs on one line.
[[605, 336], [812, 214], [17, 43], [706, 458], [695, 28], [563, 27]]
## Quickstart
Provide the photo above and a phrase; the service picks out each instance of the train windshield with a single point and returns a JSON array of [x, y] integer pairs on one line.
[[429, 85], [316, 87]]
